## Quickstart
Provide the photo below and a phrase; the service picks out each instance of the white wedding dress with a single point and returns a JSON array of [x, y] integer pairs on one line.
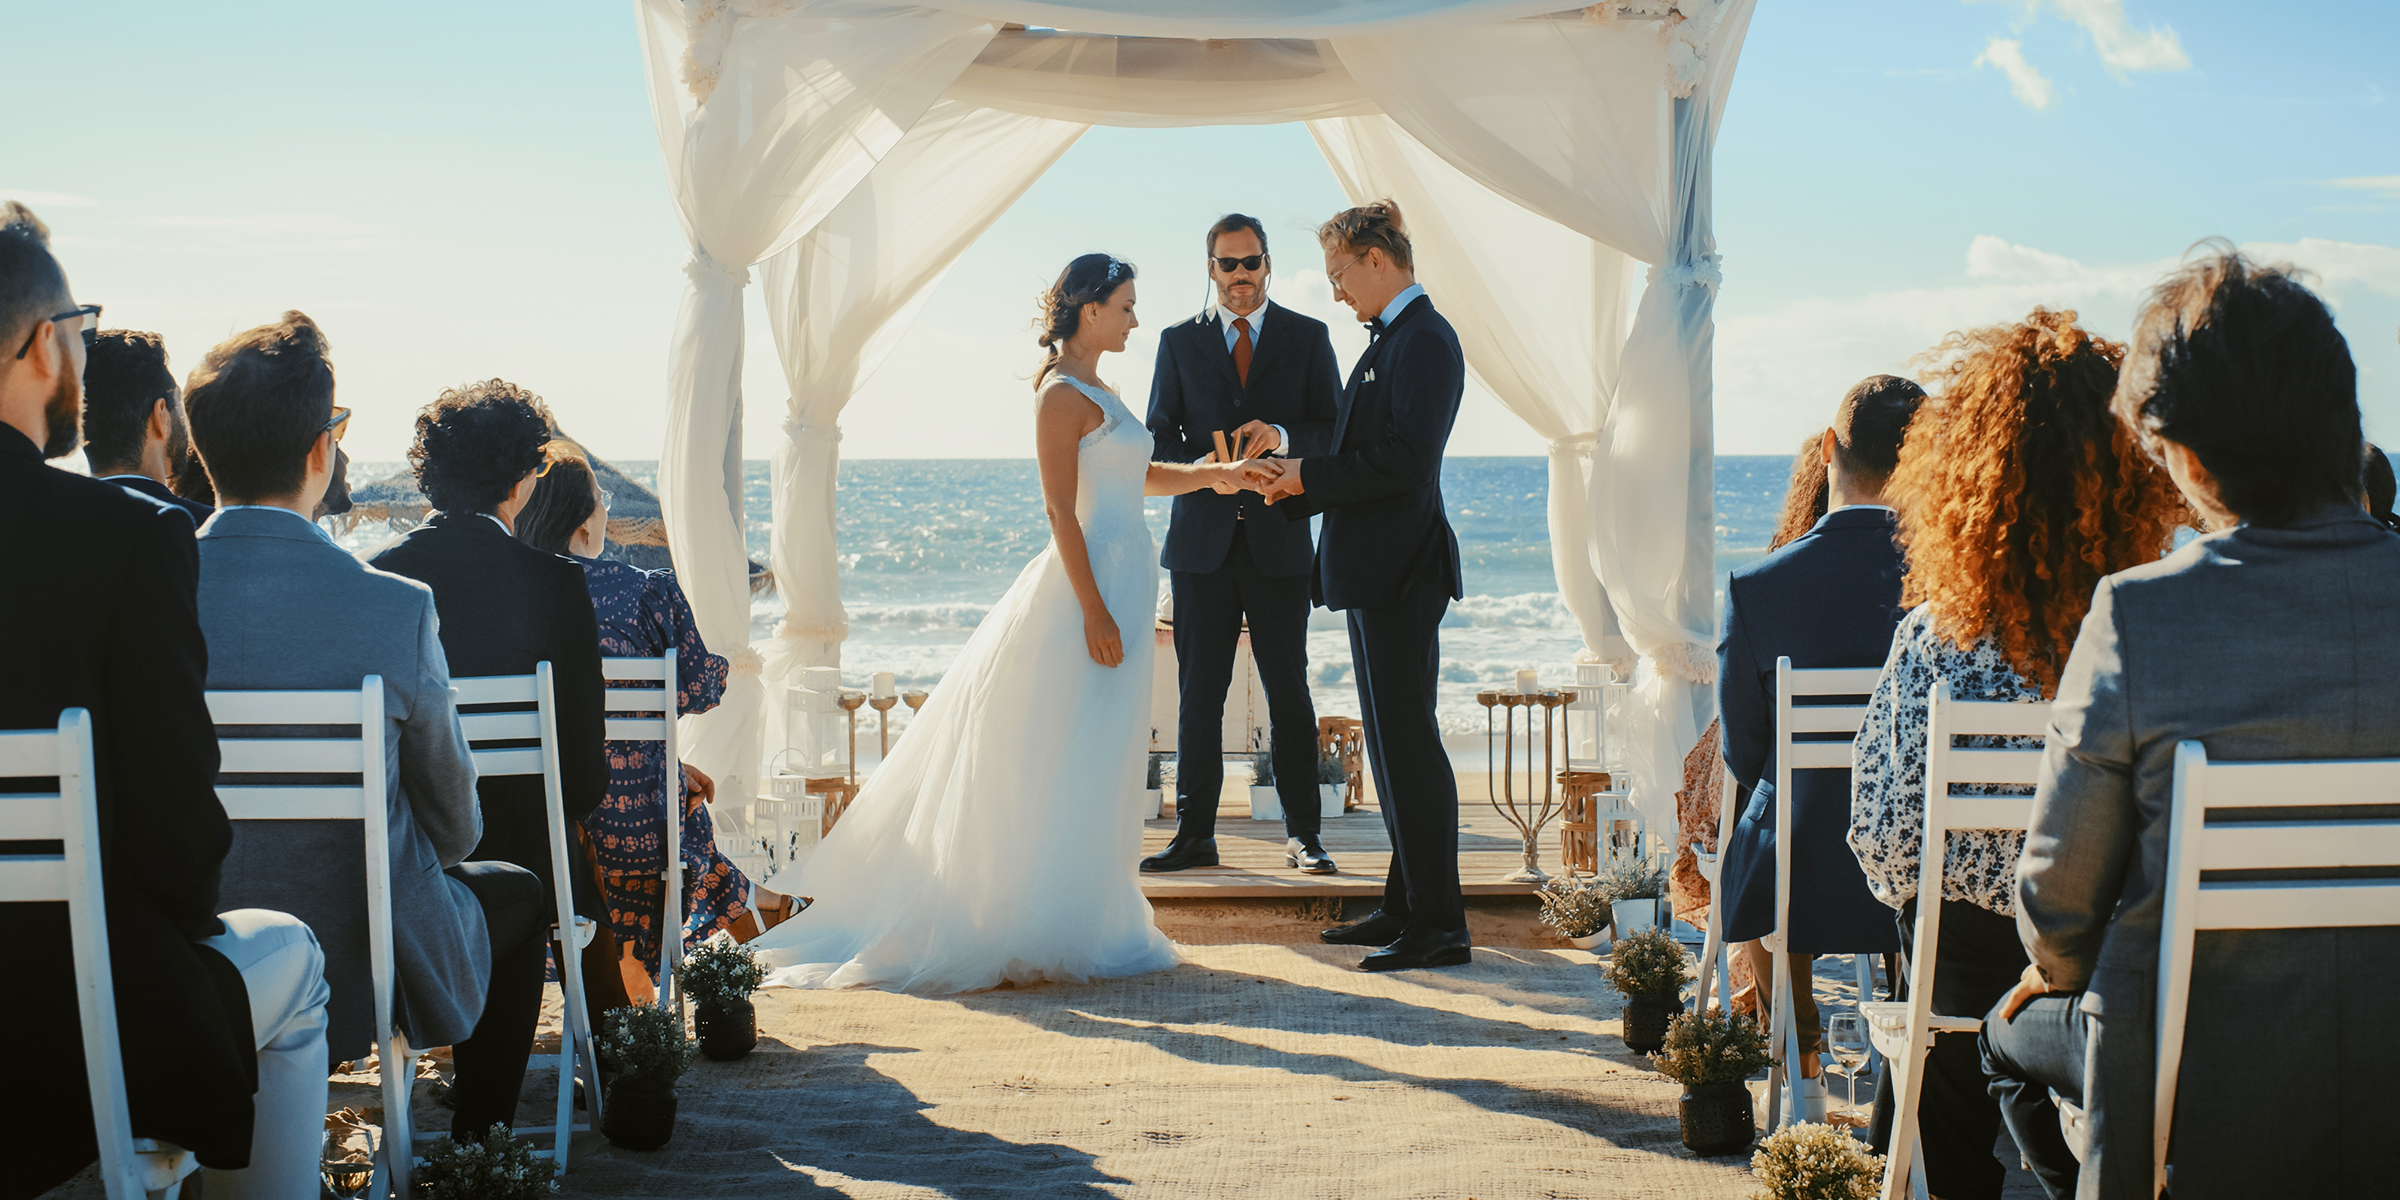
[[1000, 840]]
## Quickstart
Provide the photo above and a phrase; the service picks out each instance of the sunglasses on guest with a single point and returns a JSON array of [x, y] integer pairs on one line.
[[87, 319], [1229, 265], [337, 424]]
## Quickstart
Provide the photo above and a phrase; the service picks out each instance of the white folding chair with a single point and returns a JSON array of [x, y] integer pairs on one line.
[[365, 802], [130, 1167], [1792, 755], [1716, 958], [578, 1052], [1904, 1030], [2195, 844], [647, 714]]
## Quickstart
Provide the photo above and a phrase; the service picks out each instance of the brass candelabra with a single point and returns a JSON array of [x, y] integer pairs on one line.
[[883, 723], [850, 701], [1528, 818]]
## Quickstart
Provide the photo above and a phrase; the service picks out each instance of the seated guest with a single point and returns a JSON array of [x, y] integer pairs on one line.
[[506, 607], [642, 614], [1804, 495], [2017, 491], [1828, 599], [220, 1016], [133, 425], [285, 609], [2272, 637]]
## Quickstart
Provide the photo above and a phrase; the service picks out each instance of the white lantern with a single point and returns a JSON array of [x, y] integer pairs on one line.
[[1596, 721], [815, 737]]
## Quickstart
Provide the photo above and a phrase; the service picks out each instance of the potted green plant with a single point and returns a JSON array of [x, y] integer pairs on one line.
[[1648, 969], [647, 1046], [1266, 804], [1711, 1053], [1632, 886], [1815, 1162], [1576, 909], [1154, 788], [719, 977], [1333, 779], [502, 1166]]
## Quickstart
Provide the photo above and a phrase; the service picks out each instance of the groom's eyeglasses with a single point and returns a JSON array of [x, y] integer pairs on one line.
[[1229, 265]]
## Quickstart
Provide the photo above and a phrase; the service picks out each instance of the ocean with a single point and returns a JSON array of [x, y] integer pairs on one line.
[[928, 545]]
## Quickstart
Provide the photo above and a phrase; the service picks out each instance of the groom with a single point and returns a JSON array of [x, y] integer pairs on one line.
[[1387, 556], [1260, 373]]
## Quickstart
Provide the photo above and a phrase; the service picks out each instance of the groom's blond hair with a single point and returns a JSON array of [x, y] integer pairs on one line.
[[1369, 227]]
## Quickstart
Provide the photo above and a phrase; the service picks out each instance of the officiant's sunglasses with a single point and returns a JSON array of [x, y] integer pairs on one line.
[[1229, 265], [87, 319]]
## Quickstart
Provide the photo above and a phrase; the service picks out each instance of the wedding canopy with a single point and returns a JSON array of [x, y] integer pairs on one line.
[[853, 149]]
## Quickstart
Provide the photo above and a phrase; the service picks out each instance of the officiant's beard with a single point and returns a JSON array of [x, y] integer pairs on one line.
[[1250, 301], [64, 415]]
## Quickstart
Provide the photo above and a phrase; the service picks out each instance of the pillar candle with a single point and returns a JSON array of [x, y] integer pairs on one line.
[[886, 684], [1527, 682]]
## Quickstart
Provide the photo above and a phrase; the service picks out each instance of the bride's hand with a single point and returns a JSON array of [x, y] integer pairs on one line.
[[1100, 637]]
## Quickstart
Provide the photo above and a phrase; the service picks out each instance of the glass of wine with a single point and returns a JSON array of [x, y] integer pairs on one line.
[[1846, 1036]]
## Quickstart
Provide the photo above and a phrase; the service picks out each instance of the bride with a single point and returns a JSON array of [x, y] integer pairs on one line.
[[998, 841]]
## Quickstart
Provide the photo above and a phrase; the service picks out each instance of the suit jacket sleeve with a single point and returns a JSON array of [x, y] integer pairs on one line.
[[162, 758], [577, 688], [1425, 380], [1312, 435], [437, 769], [1747, 712], [1170, 441], [2085, 827]]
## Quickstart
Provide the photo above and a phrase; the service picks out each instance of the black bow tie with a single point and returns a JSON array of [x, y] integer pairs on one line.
[[1375, 328]]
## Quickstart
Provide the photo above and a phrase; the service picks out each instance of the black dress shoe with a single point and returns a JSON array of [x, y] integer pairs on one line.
[[1422, 948], [1377, 930], [1181, 855], [1309, 857]]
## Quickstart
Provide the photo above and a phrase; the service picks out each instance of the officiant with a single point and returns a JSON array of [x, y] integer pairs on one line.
[[1245, 378]]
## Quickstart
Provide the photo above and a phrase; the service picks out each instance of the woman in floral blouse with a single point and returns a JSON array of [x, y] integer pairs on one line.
[[642, 615], [2017, 489]]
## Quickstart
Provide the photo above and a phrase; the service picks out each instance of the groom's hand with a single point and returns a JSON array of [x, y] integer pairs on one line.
[[1285, 483]]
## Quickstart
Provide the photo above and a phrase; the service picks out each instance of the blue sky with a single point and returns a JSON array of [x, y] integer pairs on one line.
[[458, 191]]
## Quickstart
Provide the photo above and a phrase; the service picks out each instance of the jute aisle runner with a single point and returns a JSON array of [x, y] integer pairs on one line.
[[1251, 1071]]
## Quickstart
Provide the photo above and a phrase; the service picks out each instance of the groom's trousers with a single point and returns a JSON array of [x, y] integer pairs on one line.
[[1209, 610], [1396, 653]]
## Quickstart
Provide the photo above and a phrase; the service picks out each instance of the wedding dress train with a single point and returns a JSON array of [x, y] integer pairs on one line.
[[1000, 839]]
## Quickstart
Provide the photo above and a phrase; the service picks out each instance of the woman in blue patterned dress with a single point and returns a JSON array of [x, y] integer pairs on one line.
[[642, 614]]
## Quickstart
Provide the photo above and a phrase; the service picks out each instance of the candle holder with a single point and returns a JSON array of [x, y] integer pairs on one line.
[[850, 702], [1530, 817], [883, 706]]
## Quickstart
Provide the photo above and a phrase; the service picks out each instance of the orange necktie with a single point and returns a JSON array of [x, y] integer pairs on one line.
[[1241, 349]]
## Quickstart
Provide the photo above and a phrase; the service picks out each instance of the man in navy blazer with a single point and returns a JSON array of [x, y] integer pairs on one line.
[[1255, 371], [1388, 559], [1830, 598], [134, 434]]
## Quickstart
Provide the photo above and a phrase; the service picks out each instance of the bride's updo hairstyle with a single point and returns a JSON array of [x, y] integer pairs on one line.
[[1370, 227], [1089, 279]]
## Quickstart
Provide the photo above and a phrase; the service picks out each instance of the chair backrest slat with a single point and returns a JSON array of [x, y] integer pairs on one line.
[[634, 700], [2302, 784], [501, 727], [2297, 904], [1986, 812], [1828, 718], [2311, 845], [31, 878], [283, 708], [293, 802], [637, 729], [31, 817], [526, 761], [1996, 765], [1834, 681], [28, 754], [260, 756], [1814, 756], [494, 689], [633, 668]]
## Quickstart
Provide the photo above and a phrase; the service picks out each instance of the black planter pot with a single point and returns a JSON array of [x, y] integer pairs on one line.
[[641, 1113], [1716, 1118], [1646, 1020], [727, 1029]]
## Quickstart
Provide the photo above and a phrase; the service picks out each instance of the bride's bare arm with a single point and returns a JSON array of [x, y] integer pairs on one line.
[[1174, 479], [1060, 424]]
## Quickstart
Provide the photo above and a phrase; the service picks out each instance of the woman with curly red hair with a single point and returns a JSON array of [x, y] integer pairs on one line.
[[2018, 489]]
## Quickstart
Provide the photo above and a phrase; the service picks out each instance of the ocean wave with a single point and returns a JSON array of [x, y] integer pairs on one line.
[[1525, 610], [960, 615]]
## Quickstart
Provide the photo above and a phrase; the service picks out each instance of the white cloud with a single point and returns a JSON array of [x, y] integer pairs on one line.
[[311, 224], [2008, 55], [2122, 48], [2389, 185], [41, 200]]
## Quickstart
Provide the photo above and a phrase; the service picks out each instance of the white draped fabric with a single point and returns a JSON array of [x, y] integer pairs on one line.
[[1519, 139]]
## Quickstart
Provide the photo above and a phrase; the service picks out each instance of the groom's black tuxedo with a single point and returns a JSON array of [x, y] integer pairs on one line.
[[1388, 557], [1230, 560]]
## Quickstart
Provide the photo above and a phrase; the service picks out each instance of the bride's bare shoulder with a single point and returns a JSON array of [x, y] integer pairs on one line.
[[1061, 400]]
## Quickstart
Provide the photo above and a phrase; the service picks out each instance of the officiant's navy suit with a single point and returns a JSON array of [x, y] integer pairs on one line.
[[1831, 598], [1227, 561], [1388, 558]]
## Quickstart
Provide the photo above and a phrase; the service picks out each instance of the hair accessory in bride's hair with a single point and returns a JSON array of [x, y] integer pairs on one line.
[[1088, 279]]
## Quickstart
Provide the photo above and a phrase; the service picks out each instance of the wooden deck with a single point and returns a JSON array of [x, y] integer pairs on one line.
[[1252, 851]]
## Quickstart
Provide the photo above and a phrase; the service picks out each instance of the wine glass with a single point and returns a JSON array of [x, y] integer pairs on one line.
[[1846, 1034]]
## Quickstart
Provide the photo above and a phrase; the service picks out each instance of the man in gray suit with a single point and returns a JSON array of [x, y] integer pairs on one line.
[[284, 608], [2277, 636]]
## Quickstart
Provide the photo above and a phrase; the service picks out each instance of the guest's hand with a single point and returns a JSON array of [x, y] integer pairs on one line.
[[698, 785], [1285, 483], [2029, 985], [1259, 437]]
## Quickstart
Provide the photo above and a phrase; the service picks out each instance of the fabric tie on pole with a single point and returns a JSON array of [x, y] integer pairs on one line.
[[1241, 349]]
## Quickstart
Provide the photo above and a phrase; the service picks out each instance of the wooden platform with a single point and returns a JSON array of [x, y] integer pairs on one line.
[[1252, 852]]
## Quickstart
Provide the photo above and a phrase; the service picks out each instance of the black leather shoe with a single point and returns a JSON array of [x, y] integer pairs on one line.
[[1377, 930], [1422, 948], [1308, 856], [1181, 855]]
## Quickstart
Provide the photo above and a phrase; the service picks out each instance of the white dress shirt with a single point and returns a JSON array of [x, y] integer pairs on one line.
[[1258, 319]]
